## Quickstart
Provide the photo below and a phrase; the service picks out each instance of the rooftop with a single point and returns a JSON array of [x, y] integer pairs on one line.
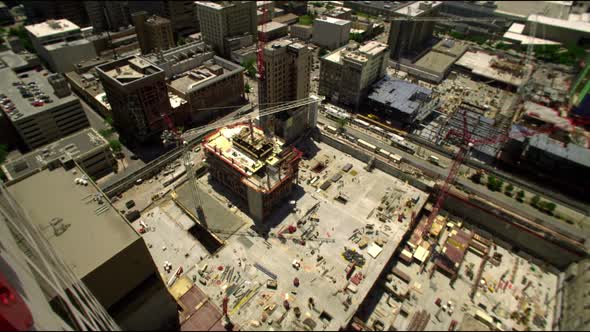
[[332, 20], [218, 5], [442, 56], [78, 212], [392, 6], [481, 63], [222, 144], [355, 53], [129, 69], [270, 26], [557, 9], [417, 8], [401, 95], [31, 82], [516, 33], [570, 25], [51, 27], [76, 145], [203, 75]]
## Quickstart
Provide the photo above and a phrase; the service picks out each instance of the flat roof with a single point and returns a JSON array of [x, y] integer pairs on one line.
[[379, 4], [270, 26], [523, 9], [76, 145], [480, 63], [332, 20], [416, 8], [373, 47], [204, 74], [12, 59], [23, 105], [129, 69], [571, 25], [51, 27], [398, 94], [83, 245], [435, 61]]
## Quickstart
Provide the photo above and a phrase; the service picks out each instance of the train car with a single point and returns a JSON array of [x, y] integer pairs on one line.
[[377, 130], [336, 113], [361, 123], [384, 153], [395, 137], [395, 158], [366, 145], [331, 129]]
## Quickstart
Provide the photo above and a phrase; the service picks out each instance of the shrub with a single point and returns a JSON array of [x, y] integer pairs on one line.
[[116, 146]]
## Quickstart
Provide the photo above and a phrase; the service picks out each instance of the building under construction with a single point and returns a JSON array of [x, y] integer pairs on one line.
[[259, 169]]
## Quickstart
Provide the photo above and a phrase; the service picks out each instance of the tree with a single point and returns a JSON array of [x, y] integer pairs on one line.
[[547, 207], [249, 66], [247, 88], [341, 124], [535, 200], [106, 133], [509, 189], [181, 41], [116, 146], [306, 19], [476, 177], [109, 120], [356, 36], [520, 196]]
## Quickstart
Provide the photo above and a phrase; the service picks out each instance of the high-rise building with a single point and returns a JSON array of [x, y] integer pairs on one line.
[[330, 32], [60, 43], [410, 39], [136, 91], [259, 169], [106, 15], [347, 73], [222, 22], [154, 33], [287, 66]]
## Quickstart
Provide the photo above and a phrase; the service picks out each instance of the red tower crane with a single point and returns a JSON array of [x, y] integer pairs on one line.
[[465, 144]]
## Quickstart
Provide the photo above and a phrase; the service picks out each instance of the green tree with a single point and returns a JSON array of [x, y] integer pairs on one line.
[[535, 201], [249, 66], [356, 36], [181, 41], [306, 19], [106, 133], [116, 146], [476, 177], [547, 207], [341, 124], [247, 88], [520, 196], [508, 190], [108, 120]]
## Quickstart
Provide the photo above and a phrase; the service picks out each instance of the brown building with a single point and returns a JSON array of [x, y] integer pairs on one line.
[[287, 66], [181, 13], [260, 170], [215, 83], [136, 91], [154, 33]]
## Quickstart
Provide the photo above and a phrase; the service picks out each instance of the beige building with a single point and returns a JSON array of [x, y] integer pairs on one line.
[[287, 66], [330, 32], [100, 247], [60, 43], [347, 73], [154, 33], [222, 22], [300, 31]]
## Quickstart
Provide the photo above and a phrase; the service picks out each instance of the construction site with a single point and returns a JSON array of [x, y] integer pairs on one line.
[[316, 258]]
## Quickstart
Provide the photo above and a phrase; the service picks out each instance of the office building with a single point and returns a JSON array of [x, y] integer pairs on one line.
[[106, 44], [410, 39], [60, 43], [287, 70], [400, 101], [576, 313], [376, 8], [154, 33], [221, 22], [339, 12], [331, 33], [260, 170], [39, 11], [215, 83], [180, 13], [300, 31], [98, 245], [87, 148], [347, 73], [272, 30], [136, 91], [176, 61], [55, 113], [261, 7], [106, 15]]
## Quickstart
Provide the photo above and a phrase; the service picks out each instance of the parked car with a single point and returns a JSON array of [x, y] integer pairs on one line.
[[452, 325], [130, 204]]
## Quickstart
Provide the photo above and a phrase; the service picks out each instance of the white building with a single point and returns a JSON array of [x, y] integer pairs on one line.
[[330, 32], [60, 43]]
